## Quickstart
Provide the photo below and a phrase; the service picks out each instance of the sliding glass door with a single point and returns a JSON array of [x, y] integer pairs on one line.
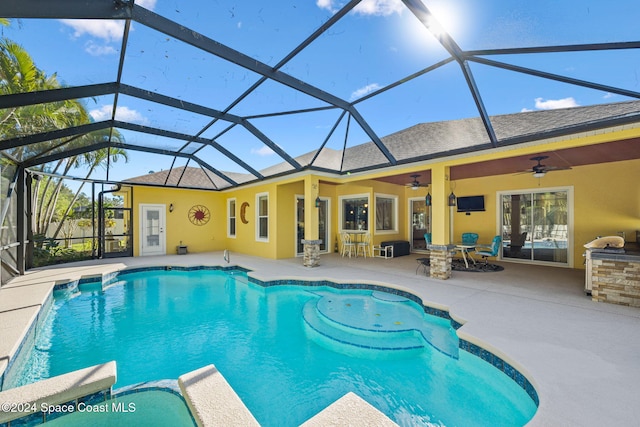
[[535, 225]]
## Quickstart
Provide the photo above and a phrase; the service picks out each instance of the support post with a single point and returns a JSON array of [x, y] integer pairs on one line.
[[440, 248], [20, 221], [311, 241]]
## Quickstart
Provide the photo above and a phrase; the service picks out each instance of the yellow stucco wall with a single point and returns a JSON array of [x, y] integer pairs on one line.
[[199, 238]]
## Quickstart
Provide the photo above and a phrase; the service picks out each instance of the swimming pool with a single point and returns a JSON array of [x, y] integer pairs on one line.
[[272, 345]]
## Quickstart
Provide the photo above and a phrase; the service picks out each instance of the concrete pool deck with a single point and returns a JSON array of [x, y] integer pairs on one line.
[[583, 357]]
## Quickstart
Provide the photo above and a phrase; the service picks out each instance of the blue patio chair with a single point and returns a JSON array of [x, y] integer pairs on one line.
[[490, 251], [469, 238], [427, 239]]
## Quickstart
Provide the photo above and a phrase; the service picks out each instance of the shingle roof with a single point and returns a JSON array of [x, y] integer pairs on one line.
[[424, 140]]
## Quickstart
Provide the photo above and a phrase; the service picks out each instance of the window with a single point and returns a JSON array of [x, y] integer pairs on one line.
[[386, 213], [231, 218], [354, 212], [262, 213]]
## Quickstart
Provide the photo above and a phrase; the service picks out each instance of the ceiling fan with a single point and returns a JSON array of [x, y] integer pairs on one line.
[[539, 170], [415, 184]]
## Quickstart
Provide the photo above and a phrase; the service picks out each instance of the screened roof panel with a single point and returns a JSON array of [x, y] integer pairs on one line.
[[523, 92], [511, 24], [614, 68], [344, 62], [415, 102], [160, 63], [74, 50], [252, 150], [275, 98], [287, 129], [156, 142], [49, 116], [264, 31], [159, 116], [213, 156], [212, 83]]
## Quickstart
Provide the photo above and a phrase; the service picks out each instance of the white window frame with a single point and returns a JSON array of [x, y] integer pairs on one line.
[[353, 196], [259, 217], [394, 199], [231, 217]]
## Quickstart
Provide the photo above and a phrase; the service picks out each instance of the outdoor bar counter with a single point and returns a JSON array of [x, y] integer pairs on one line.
[[615, 275]]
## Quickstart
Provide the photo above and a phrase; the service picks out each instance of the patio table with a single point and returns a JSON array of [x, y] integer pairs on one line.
[[464, 248]]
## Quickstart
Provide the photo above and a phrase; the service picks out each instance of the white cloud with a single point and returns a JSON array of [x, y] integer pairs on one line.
[[359, 93], [239, 25], [379, 7], [264, 151], [608, 95], [95, 49], [326, 4], [107, 30], [553, 104], [124, 114], [366, 7], [525, 110]]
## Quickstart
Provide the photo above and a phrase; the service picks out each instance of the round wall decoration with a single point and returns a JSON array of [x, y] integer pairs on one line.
[[199, 215]]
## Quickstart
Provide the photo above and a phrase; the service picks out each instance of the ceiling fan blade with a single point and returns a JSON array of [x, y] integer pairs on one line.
[[557, 168]]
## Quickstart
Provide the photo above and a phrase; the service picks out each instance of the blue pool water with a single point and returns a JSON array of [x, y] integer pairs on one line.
[[293, 347]]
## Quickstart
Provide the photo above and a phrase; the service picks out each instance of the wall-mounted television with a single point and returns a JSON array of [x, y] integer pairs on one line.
[[471, 204]]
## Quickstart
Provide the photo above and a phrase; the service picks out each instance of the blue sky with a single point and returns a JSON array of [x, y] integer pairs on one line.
[[377, 44]]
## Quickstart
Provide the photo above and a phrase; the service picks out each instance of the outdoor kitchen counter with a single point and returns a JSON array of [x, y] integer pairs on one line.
[[615, 275]]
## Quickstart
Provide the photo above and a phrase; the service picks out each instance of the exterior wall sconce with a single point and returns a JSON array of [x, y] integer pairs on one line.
[[452, 199], [427, 199], [171, 207], [318, 202]]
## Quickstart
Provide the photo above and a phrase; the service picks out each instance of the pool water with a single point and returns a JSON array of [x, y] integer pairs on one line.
[[161, 324], [147, 408]]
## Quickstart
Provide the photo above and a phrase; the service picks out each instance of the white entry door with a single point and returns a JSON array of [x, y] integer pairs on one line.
[[152, 235]]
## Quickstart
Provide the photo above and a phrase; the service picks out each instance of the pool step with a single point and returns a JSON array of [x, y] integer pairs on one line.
[[358, 338], [368, 322]]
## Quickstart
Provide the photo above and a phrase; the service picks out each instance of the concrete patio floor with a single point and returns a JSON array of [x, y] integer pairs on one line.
[[582, 357]]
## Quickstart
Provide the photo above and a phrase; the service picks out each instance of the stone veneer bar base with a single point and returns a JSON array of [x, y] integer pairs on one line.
[[440, 264], [616, 281]]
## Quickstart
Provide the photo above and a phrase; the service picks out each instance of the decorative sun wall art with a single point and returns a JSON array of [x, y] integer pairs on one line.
[[199, 215]]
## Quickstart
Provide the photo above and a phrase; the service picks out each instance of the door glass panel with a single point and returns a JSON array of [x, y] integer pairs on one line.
[[550, 231], [153, 228], [300, 227], [516, 225], [323, 232], [420, 223]]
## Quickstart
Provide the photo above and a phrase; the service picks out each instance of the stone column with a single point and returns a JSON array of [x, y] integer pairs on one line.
[[311, 252], [440, 264]]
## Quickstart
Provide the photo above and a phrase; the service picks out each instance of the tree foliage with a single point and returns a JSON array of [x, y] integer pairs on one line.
[[53, 201]]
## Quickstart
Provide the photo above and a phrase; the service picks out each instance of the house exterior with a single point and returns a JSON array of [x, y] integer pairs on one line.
[[591, 189]]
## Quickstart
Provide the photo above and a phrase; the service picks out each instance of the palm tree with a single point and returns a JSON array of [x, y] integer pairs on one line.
[[19, 74]]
